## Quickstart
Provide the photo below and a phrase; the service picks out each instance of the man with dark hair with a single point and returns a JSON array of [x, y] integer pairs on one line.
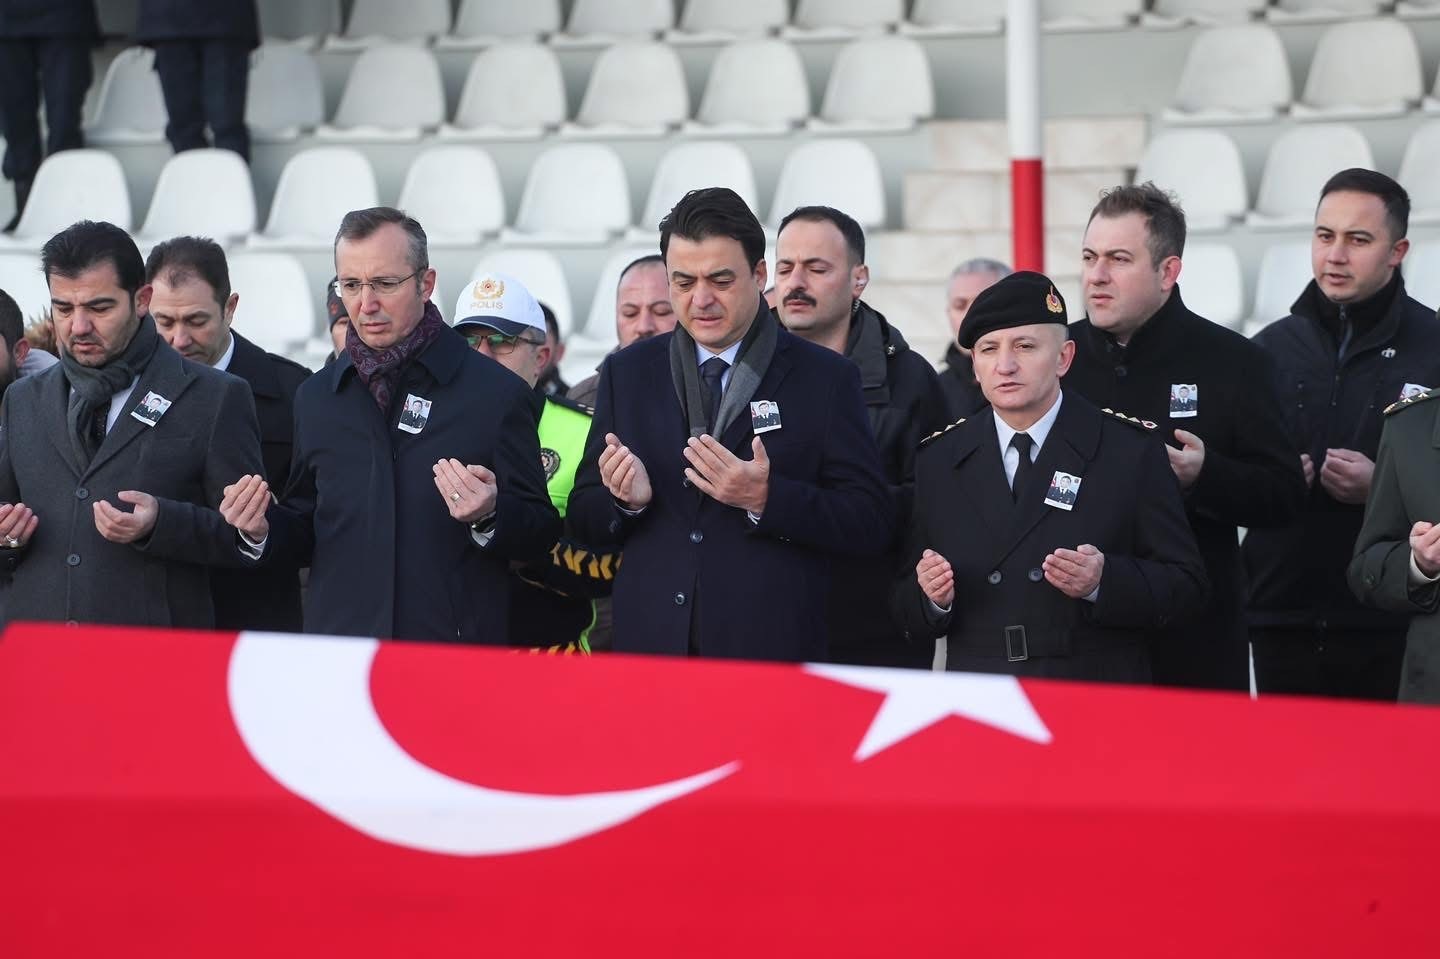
[[820, 274], [1073, 585], [642, 310], [408, 530], [202, 56], [17, 357], [728, 535], [194, 307], [1353, 344], [550, 382], [957, 378], [119, 454], [1138, 347], [44, 48]]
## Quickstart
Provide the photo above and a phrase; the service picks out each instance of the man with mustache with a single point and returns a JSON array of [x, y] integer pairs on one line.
[[820, 273], [642, 310], [114, 461]]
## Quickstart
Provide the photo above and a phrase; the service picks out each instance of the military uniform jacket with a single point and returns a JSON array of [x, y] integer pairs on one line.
[[1251, 476], [1128, 507], [747, 590], [269, 597], [362, 510], [204, 441], [1404, 492]]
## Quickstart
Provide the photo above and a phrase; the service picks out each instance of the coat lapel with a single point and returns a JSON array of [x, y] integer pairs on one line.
[[983, 479], [55, 410], [165, 375], [736, 437]]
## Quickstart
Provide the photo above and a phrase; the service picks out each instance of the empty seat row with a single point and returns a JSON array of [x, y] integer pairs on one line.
[[575, 193], [1204, 169], [516, 91], [1363, 68], [596, 22]]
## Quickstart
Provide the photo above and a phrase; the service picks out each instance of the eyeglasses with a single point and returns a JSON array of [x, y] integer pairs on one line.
[[382, 285], [499, 343]]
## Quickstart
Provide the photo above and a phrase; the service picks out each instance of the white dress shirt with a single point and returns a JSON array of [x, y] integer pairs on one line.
[[1038, 431]]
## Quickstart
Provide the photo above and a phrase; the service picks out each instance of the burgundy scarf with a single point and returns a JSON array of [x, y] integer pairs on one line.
[[380, 370]]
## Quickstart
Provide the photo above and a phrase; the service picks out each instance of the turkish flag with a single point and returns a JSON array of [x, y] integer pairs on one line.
[[206, 795]]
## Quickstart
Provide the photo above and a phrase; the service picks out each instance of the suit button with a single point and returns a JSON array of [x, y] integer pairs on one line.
[[696, 536], [73, 559], [679, 599], [994, 578], [81, 493], [1369, 580], [685, 482], [1121, 372], [1036, 575]]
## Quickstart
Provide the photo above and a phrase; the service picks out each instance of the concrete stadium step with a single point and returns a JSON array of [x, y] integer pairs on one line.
[[939, 200], [1071, 143]]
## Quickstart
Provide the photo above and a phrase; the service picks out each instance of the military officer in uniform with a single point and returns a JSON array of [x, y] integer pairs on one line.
[[1397, 556], [1017, 583]]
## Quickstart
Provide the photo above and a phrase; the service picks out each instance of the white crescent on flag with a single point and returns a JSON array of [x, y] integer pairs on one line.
[[302, 706]]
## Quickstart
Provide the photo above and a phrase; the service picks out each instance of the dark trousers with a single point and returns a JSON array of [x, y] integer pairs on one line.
[[61, 69], [1364, 664], [204, 82]]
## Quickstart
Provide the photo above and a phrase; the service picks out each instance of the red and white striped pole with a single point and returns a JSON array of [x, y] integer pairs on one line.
[[1022, 95]]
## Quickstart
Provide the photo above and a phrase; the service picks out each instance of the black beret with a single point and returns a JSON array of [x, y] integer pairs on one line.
[[1020, 299]]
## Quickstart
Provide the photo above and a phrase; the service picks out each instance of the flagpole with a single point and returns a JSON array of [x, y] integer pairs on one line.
[[1022, 95]]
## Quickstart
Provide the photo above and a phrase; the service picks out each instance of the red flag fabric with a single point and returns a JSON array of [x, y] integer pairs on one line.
[[190, 794]]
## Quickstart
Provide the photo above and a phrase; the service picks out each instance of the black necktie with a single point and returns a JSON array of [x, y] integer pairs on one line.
[[711, 372], [1022, 444]]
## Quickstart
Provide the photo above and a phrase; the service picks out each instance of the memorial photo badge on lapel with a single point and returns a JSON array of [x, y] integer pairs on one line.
[[415, 414], [1064, 487], [764, 416], [150, 409], [1184, 400]]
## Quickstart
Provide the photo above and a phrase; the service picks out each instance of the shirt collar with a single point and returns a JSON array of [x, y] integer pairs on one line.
[[1038, 431], [728, 355], [223, 363]]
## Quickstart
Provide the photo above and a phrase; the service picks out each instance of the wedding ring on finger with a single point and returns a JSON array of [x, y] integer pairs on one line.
[[455, 496], [11, 542]]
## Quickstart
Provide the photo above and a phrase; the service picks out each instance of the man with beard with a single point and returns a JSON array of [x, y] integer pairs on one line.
[[408, 528], [820, 273], [957, 379], [17, 357], [642, 310], [194, 307], [114, 460]]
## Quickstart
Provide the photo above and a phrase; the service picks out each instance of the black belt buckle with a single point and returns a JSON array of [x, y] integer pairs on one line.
[[1016, 650]]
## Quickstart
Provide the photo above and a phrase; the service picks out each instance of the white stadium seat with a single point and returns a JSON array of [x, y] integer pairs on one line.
[[285, 95], [575, 193], [317, 188], [877, 84], [385, 21], [455, 192], [69, 186], [1421, 269], [1089, 14], [1417, 9], [1286, 11], [841, 19], [306, 21], [1420, 173], [1233, 74], [596, 23], [1204, 12], [711, 21], [277, 307], [542, 275], [131, 107], [839, 173], [1385, 81], [1212, 284], [586, 347], [637, 88], [202, 193], [941, 18], [691, 166], [394, 92], [755, 87], [1203, 168], [1299, 163], [484, 22], [20, 276], [1284, 272], [513, 91]]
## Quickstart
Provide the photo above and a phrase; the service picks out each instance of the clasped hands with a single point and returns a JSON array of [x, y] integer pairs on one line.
[[713, 470]]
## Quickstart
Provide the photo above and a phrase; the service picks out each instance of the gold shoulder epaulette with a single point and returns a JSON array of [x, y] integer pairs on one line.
[[931, 438], [1137, 423], [1410, 401]]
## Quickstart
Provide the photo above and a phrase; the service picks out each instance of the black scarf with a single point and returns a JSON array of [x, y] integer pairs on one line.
[[94, 386], [756, 352], [380, 370]]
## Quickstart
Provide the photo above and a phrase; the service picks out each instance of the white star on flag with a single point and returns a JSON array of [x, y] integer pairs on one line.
[[915, 700]]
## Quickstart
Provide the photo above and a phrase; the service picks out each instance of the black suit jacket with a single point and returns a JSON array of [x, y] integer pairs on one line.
[[268, 597], [700, 574], [1128, 507]]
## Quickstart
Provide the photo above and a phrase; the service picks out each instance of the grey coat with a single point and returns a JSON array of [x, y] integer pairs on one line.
[[206, 439]]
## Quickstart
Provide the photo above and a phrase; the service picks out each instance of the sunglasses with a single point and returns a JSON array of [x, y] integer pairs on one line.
[[498, 343]]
